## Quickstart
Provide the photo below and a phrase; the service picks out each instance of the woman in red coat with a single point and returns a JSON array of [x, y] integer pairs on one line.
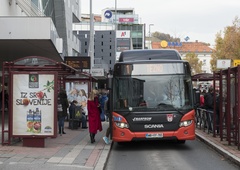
[[94, 120]]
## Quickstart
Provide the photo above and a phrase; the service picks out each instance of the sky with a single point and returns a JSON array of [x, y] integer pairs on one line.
[[199, 20]]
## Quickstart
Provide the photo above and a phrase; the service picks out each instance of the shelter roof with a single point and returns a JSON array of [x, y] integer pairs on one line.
[[202, 77], [39, 63]]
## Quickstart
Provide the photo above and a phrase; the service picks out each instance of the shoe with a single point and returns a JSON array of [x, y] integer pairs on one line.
[[92, 138], [84, 127], [64, 133], [106, 140]]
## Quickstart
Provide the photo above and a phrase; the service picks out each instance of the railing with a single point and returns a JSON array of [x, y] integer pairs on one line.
[[219, 125], [204, 120], [29, 8]]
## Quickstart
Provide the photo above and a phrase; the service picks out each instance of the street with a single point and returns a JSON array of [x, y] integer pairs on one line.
[[166, 155]]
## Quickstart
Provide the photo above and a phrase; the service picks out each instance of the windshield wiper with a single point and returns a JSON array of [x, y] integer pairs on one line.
[[169, 107]]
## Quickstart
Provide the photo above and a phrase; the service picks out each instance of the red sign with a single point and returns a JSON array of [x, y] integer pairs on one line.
[[126, 19]]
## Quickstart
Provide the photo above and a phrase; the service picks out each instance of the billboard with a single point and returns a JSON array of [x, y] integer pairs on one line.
[[223, 63], [33, 100], [123, 40]]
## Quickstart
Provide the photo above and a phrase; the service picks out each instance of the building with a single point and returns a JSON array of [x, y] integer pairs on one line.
[[202, 50], [104, 45], [36, 27], [121, 24], [55, 29], [126, 19]]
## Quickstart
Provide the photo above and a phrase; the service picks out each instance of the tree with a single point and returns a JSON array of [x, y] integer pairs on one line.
[[166, 37], [194, 62], [228, 44]]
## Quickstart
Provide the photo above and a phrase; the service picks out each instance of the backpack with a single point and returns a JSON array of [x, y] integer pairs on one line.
[[208, 101]]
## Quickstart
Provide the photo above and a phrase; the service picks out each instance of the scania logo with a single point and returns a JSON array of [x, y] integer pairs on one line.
[[153, 126], [142, 119]]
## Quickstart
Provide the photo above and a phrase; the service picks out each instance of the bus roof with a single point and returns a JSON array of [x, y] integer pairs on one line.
[[160, 54]]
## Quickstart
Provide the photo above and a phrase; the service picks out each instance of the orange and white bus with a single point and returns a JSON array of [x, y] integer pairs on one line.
[[152, 97]]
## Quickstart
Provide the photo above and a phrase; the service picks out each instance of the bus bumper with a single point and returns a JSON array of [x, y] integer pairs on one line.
[[125, 135]]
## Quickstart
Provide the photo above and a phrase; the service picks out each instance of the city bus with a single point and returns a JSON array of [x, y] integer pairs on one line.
[[152, 97]]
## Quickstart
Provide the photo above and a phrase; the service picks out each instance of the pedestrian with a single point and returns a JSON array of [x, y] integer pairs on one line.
[[72, 113], [106, 138], [93, 115], [107, 110], [208, 105], [72, 95], [72, 109], [202, 98], [103, 100], [82, 100], [62, 110]]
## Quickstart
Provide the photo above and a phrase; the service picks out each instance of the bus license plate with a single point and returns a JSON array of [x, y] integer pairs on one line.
[[154, 135]]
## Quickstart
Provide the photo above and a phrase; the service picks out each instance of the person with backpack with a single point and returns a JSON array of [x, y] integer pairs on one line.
[[62, 110], [209, 105]]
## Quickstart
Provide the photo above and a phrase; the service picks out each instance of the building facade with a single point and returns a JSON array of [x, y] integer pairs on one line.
[[104, 45], [118, 21], [202, 50], [104, 48], [38, 27], [64, 33], [126, 19]]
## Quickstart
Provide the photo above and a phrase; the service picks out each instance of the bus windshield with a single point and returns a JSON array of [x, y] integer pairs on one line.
[[153, 92]]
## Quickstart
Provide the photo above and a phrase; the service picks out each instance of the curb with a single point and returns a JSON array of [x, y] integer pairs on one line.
[[219, 149], [101, 165]]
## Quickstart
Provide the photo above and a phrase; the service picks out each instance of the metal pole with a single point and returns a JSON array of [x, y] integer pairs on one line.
[[91, 43], [115, 13], [115, 29], [149, 44]]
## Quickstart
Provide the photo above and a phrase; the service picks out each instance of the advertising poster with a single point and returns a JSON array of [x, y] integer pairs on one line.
[[33, 104], [73, 90]]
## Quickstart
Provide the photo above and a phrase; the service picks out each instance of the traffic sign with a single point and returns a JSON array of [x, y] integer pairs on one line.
[[108, 14]]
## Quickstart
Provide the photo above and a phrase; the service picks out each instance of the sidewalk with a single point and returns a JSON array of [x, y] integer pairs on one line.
[[72, 150], [228, 152]]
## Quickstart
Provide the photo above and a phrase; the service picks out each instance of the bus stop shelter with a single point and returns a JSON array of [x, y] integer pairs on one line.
[[226, 122], [229, 109], [39, 71]]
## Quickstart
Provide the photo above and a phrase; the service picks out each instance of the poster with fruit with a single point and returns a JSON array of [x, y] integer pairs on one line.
[[33, 104]]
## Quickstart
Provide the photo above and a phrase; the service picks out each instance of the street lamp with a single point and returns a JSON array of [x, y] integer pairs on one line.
[[149, 41], [150, 29]]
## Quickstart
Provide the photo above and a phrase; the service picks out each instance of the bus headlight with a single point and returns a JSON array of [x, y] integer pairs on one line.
[[185, 123], [121, 125]]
